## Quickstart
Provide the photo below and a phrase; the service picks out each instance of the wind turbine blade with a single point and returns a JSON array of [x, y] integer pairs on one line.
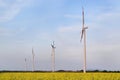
[[33, 52], [25, 60], [82, 17], [82, 35], [53, 43]]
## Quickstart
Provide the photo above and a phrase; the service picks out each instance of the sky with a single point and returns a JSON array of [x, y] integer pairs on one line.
[[36, 23]]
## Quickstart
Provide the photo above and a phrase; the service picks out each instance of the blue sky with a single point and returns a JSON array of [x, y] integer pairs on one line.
[[36, 23]]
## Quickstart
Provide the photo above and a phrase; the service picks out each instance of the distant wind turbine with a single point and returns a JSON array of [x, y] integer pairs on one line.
[[25, 64], [33, 64], [84, 35], [53, 56]]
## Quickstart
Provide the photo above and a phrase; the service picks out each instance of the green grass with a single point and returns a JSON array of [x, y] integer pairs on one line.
[[58, 76]]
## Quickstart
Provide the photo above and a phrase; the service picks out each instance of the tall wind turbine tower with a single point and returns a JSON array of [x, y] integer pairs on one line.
[[25, 64], [53, 56], [83, 36], [33, 64]]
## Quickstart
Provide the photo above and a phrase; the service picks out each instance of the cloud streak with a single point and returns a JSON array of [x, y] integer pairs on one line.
[[11, 10]]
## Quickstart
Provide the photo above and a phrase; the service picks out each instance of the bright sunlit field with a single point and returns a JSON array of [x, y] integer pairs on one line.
[[59, 76]]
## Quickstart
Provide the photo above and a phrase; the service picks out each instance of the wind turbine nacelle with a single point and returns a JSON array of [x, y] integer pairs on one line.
[[53, 46], [85, 27]]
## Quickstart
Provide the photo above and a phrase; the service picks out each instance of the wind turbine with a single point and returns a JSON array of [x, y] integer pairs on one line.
[[53, 56], [33, 64], [25, 64], [83, 36]]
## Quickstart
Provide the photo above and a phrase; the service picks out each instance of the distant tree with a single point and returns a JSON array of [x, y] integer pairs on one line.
[[61, 71], [104, 71]]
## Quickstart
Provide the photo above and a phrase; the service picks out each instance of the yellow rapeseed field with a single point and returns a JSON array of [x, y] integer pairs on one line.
[[58, 76]]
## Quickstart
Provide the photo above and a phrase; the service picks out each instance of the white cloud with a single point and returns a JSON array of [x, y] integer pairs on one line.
[[10, 10], [111, 16]]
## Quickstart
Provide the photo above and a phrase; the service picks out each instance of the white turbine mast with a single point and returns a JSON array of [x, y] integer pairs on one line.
[[83, 36], [53, 56], [25, 64], [33, 58]]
